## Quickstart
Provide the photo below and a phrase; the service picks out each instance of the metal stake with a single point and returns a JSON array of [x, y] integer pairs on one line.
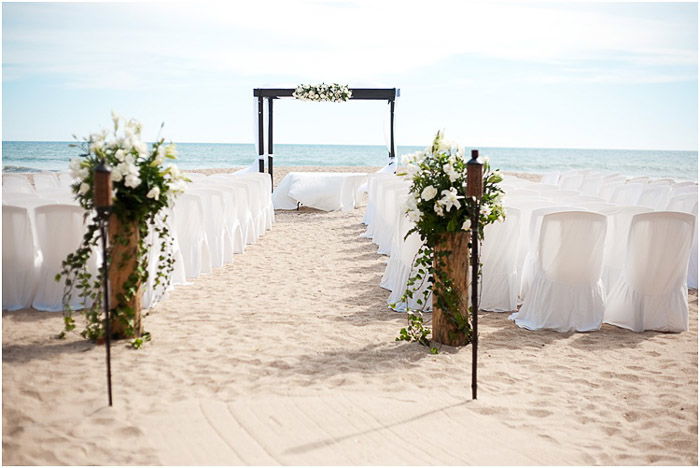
[[104, 222]]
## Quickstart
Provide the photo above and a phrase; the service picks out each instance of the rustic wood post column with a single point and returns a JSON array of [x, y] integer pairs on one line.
[[451, 257], [124, 239], [475, 188]]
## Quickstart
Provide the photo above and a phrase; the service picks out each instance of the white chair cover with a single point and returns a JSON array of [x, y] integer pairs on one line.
[[655, 196], [21, 259], [16, 183], [45, 181], [688, 203], [607, 191], [652, 294], [219, 237], [260, 186], [499, 255], [189, 225], [571, 180], [591, 185], [195, 176], [566, 292], [59, 231], [250, 200], [391, 204], [638, 179], [400, 267], [619, 220], [550, 178], [64, 180], [388, 169], [234, 210], [327, 191], [628, 194], [374, 181], [529, 266]]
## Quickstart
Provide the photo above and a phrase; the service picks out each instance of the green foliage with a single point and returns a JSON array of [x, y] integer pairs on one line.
[[142, 190], [438, 204]]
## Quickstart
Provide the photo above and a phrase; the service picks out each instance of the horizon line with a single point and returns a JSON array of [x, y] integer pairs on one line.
[[381, 146]]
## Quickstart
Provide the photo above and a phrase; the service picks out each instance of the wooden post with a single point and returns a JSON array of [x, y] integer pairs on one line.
[[392, 149], [261, 137], [475, 188], [123, 263], [269, 140], [456, 265]]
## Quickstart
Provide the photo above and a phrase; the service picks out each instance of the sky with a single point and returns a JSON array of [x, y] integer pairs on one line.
[[498, 74]]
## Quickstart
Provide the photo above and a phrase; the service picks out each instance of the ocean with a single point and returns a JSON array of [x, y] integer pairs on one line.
[[30, 156]]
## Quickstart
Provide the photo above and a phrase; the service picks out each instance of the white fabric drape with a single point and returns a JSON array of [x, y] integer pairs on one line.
[[21, 258], [59, 230], [566, 292], [651, 293], [327, 191], [499, 278]]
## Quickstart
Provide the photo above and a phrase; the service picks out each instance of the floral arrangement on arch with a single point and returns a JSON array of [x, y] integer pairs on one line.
[[333, 92], [143, 186], [438, 204]]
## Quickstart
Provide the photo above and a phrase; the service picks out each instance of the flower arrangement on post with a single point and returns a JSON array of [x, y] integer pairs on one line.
[[333, 92], [143, 186], [441, 210]]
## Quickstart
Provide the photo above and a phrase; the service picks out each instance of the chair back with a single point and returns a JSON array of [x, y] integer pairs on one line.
[[45, 181], [628, 194], [20, 258], [16, 183], [59, 231], [655, 196], [570, 248], [658, 251], [685, 203]]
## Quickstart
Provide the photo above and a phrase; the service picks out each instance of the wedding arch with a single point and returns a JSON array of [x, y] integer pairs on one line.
[[375, 94]]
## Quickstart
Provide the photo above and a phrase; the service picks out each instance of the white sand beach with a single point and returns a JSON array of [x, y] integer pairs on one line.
[[287, 356]]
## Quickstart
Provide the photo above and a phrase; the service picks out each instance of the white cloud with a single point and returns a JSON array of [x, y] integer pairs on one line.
[[162, 44]]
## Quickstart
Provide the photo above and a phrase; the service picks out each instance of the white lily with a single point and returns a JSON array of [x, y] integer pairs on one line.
[[450, 199]]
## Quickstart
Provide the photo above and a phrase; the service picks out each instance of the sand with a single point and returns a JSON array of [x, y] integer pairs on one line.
[[287, 356]]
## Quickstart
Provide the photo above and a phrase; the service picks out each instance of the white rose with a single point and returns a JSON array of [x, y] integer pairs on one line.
[[120, 155], [467, 225], [117, 175], [83, 173], [132, 181], [451, 172], [428, 193], [83, 188], [414, 216], [129, 159], [154, 193]]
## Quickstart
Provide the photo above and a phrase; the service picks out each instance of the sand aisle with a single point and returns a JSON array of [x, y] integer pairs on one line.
[[287, 356]]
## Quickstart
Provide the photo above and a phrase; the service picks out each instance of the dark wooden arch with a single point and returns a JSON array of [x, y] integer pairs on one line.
[[375, 94]]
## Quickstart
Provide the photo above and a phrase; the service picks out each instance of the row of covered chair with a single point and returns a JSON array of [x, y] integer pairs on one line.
[[214, 219], [510, 250]]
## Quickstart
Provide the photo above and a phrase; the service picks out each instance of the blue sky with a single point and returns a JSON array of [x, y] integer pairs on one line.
[[509, 74]]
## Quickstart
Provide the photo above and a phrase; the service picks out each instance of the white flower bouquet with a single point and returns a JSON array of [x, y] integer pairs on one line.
[[143, 186], [333, 92]]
